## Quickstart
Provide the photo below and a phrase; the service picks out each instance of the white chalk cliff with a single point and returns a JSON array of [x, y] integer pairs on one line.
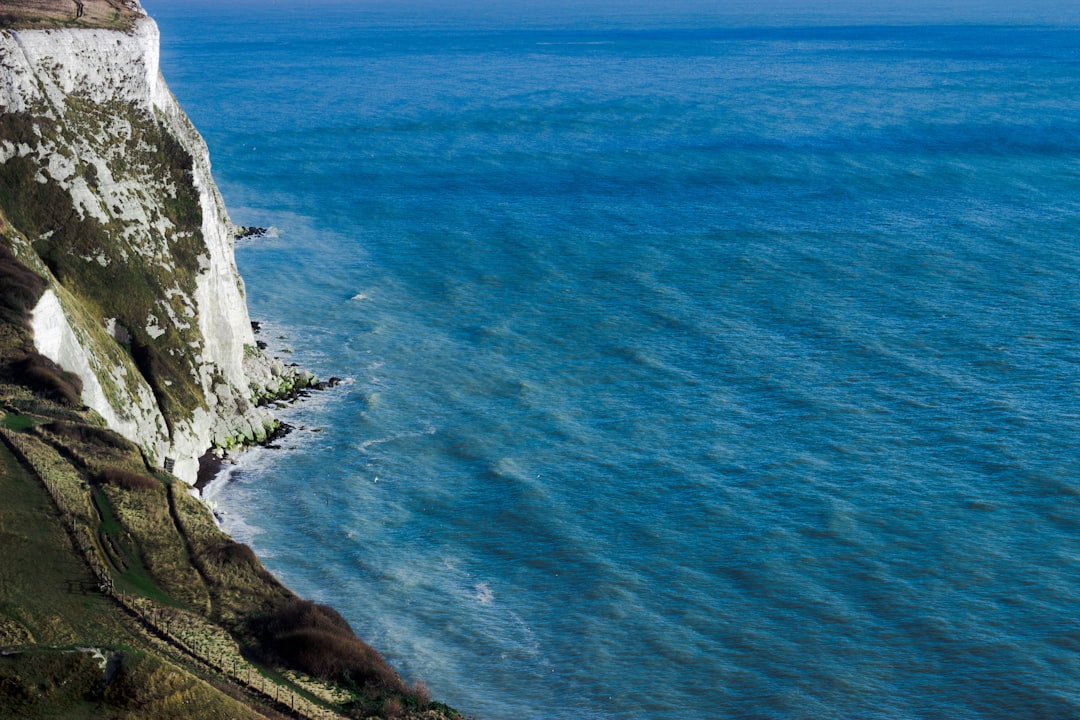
[[145, 302]]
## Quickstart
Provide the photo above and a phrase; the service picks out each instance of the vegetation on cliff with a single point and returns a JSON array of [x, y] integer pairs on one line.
[[105, 558], [119, 596], [87, 256]]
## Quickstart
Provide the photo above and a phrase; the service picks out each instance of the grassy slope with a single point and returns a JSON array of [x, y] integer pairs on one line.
[[96, 550], [50, 607], [138, 569]]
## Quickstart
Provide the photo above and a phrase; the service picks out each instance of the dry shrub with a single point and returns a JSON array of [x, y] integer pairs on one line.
[[421, 693], [40, 373], [234, 553], [316, 640], [127, 480], [90, 435], [234, 570], [392, 708]]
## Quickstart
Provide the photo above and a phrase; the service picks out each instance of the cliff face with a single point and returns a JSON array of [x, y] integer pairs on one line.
[[106, 191]]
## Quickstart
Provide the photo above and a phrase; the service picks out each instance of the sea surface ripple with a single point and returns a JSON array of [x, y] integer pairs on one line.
[[697, 371]]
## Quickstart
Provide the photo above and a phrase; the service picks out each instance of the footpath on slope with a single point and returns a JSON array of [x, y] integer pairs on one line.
[[190, 640]]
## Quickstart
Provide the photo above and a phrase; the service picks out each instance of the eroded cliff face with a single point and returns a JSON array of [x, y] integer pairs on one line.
[[106, 191]]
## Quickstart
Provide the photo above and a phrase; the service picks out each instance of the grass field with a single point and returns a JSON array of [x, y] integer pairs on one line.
[[53, 619]]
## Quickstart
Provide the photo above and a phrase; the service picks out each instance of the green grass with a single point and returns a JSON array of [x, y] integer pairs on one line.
[[161, 547], [146, 516], [66, 684], [49, 604], [17, 421], [38, 562], [125, 555]]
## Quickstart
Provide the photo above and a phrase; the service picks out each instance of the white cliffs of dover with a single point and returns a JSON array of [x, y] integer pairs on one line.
[[59, 78]]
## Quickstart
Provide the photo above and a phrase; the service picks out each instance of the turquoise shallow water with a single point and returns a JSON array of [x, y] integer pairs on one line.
[[695, 368]]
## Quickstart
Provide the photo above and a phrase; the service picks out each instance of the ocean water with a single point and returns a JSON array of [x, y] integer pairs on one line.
[[699, 364]]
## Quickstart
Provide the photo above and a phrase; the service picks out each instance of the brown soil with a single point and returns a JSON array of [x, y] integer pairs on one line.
[[44, 14]]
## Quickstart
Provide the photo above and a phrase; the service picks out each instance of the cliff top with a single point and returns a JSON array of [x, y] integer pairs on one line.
[[47, 14]]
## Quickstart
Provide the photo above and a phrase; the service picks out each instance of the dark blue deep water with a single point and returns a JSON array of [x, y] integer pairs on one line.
[[698, 366]]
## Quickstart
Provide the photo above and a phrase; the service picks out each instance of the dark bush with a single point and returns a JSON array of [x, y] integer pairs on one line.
[[331, 655], [234, 553], [89, 435], [127, 480], [42, 374], [298, 614], [20, 287], [316, 640]]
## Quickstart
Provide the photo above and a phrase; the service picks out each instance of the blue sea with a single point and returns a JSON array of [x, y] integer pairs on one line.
[[699, 362]]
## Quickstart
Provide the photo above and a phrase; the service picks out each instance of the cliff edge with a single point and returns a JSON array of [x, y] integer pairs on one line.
[[106, 192], [126, 353]]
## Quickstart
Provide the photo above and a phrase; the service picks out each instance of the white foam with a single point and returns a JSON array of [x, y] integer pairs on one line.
[[364, 445], [484, 595]]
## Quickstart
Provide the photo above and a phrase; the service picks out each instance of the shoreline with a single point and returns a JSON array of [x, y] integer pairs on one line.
[[107, 417], [218, 465]]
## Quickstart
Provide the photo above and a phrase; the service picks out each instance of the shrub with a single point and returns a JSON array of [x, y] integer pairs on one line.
[[43, 375], [421, 693], [234, 553], [233, 569], [392, 708], [127, 480], [315, 639], [89, 435], [20, 287]]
